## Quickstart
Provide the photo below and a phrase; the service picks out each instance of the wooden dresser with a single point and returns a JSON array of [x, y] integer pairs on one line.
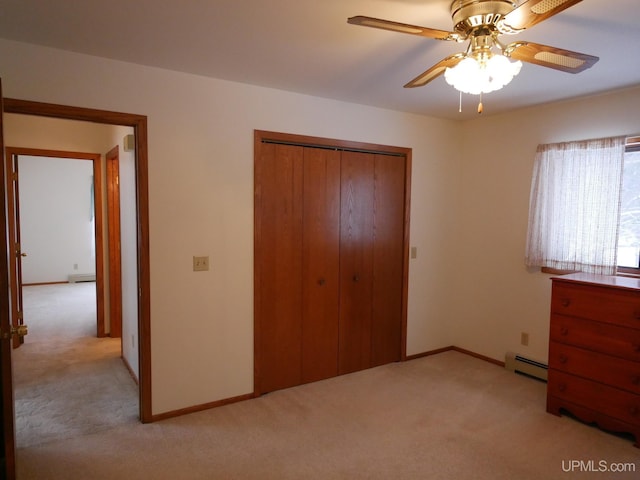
[[594, 351]]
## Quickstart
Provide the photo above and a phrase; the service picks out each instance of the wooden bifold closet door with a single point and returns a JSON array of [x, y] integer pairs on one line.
[[330, 260]]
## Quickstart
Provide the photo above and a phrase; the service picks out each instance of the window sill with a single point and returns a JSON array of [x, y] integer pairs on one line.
[[622, 272], [557, 271], [628, 272]]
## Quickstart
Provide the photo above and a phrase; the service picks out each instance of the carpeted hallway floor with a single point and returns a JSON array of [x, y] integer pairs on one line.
[[68, 382]]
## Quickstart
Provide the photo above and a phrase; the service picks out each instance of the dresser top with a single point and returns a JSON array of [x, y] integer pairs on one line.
[[629, 283]]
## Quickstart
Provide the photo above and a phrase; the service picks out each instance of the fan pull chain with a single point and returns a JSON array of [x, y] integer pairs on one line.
[[480, 107], [460, 103]]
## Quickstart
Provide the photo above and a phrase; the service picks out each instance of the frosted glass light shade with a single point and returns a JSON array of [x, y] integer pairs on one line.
[[471, 76]]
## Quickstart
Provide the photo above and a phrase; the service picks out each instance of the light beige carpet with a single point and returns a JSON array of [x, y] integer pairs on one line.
[[68, 382], [449, 416]]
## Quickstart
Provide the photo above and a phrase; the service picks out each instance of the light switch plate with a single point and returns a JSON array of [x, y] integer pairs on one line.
[[200, 264]]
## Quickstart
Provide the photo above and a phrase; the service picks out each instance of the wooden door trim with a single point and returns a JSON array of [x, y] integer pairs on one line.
[[96, 160], [407, 247], [139, 124], [262, 136], [13, 230], [7, 442], [113, 233]]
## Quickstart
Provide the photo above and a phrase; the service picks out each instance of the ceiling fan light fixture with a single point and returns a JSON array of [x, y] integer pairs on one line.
[[475, 76]]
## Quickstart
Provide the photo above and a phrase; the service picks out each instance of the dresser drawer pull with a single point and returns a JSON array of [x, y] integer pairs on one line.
[[635, 380], [636, 314], [636, 347], [633, 410], [562, 387], [563, 359], [565, 302], [564, 331]]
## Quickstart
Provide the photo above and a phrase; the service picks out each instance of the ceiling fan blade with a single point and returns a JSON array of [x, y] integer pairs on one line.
[[532, 12], [552, 57], [404, 28], [435, 71]]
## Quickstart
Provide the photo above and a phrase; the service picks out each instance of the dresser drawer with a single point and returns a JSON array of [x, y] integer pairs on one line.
[[607, 400], [601, 337], [604, 304], [595, 366]]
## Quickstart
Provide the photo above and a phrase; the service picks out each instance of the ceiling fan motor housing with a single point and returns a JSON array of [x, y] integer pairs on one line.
[[469, 15]]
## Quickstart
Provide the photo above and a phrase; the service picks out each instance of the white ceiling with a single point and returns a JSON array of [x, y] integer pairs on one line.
[[306, 46]]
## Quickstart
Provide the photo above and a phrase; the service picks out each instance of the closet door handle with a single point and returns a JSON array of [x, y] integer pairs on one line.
[[356, 278], [321, 281]]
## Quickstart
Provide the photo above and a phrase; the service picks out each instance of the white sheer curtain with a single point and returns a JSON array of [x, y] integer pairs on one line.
[[574, 207]]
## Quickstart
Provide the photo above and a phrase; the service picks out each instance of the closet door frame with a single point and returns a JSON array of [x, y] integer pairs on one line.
[[262, 137]]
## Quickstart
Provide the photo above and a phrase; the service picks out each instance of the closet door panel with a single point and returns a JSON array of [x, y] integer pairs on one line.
[[388, 259], [356, 254], [330, 258], [320, 264], [280, 236]]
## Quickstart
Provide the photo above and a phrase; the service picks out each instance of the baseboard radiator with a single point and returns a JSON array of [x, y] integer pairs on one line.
[[525, 366], [82, 277]]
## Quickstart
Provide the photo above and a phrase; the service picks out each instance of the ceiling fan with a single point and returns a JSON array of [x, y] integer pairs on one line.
[[481, 22]]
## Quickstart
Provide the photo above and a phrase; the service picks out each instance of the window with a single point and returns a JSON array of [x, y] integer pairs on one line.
[[629, 232], [575, 203]]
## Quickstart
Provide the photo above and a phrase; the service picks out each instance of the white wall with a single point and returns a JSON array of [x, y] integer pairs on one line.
[[56, 218], [201, 203], [128, 251], [50, 133], [501, 297]]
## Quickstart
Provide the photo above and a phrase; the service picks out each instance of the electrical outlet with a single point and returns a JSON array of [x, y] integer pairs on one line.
[[200, 264], [414, 252], [524, 339]]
